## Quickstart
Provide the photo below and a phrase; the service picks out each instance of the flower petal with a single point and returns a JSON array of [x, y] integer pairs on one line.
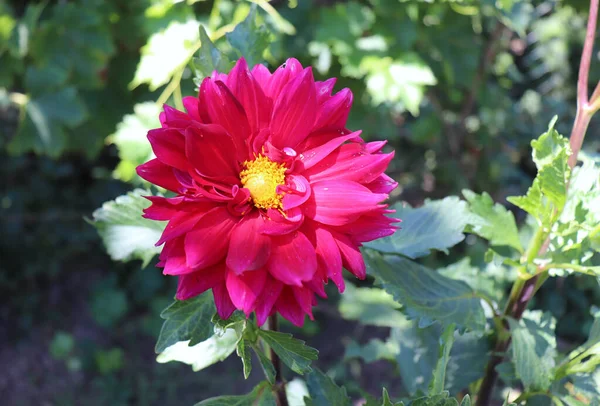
[[266, 300], [311, 157], [329, 257], [289, 307], [350, 162], [278, 224], [294, 111], [293, 259], [340, 202], [248, 248], [351, 257], [207, 243], [223, 302], [324, 90], [297, 191], [193, 284], [169, 147], [334, 112], [156, 172], [245, 289], [211, 151], [281, 77]]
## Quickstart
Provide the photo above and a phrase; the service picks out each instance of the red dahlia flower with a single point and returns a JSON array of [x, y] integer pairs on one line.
[[274, 194]]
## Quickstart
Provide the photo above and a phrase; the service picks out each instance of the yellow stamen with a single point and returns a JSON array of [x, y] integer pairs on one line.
[[261, 177]]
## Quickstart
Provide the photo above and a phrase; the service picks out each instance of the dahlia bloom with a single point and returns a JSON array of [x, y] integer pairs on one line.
[[273, 194]]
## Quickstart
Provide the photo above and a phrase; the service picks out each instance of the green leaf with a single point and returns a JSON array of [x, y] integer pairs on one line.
[[426, 294], [262, 395], [402, 80], [266, 364], [532, 202], [466, 401], [324, 392], [492, 221], [441, 399], [370, 306], [250, 38], [243, 351], [132, 142], [438, 225], [125, 233], [439, 373], [47, 118], [293, 352], [187, 320], [61, 346], [165, 53], [373, 351], [209, 58], [534, 349], [21, 34], [203, 354]]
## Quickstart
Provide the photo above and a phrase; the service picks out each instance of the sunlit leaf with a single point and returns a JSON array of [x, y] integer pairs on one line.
[[250, 38], [261, 395], [293, 352], [439, 372], [370, 306]]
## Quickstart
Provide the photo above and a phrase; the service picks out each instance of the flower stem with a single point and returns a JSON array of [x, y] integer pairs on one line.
[[526, 286], [279, 382]]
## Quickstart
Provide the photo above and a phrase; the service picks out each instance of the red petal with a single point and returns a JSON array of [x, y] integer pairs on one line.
[[340, 202], [329, 257], [248, 248], [281, 77], [193, 284], [293, 259], [266, 300], [311, 157], [334, 112], [169, 147], [289, 307], [351, 256], [294, 111], [223, 302], [299, 192], [245, 289], [156, 172], [211, 150], [207, 243], [191, 106], [350, 162], [324, 90]]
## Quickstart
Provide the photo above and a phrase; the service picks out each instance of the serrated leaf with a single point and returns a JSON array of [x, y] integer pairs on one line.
[[548, 146], [199, 356], [132, 142], [439, 373], [492, 221], [441, 399], [209, 58], [437, 225], [425, 294], [466, 401], [266, 364], [261, 395], [243, 351], [553, 179], [370, 306], [532, 202], [293, 352], [534, 349], [187, 320], [324, 392], [125, 233], [250, 38], [373, 351], [165, 52]]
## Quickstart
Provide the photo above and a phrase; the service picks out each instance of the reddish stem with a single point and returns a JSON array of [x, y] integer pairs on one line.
[[279, 382]]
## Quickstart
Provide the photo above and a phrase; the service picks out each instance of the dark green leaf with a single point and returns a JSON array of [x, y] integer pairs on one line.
[[439, 373], [370, 306], [209, 58], [324, 392], [250, 38], [262, 395], [534, 349], [426, 294], [243, 351], [374, 350], [187, 320], [125, 233], [293, 352], [265, 363], [438, 225], [492, 221], [441, 399]]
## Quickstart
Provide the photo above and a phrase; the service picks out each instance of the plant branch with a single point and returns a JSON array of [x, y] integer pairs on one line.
[[525, 288], [279, 382]]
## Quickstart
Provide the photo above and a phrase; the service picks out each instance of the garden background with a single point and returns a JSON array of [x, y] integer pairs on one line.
[[459, 90]]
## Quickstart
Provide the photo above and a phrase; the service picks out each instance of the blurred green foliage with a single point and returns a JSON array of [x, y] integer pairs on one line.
[[458, 89]]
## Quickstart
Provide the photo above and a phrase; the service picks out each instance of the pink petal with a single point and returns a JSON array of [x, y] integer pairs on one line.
[[163, 208], [245, 289], [223, 302], [207, 243], [156, 172], [251, 96], [334, 112], [375, 146], [297, 191], [289, 307], [278, 224], [350, 162], [311, 157], [304, 297], [211, 150], [293, 259], [266, 300], [182, 223], [370, 226], [330, 202], [248, 248], [329, 257], [172, 114], [280, 78], [382, 184], [351, 256], [294, 111], [225, 110], [173, 258], [324, 90], [193, 284], [169, 147], [191, 106]]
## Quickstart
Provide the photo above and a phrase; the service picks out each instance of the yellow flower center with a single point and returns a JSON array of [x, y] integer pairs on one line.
[[261, 177]]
